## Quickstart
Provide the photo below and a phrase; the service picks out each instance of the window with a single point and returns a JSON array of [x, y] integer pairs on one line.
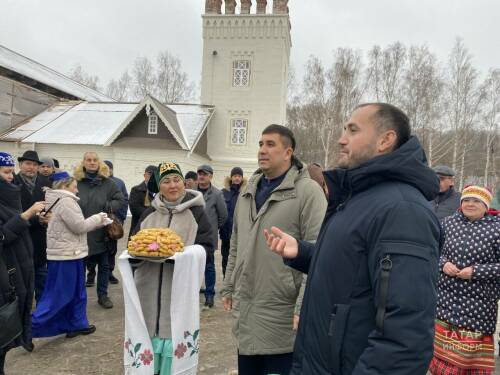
[[153, 123], [241, 73], [239, 132]]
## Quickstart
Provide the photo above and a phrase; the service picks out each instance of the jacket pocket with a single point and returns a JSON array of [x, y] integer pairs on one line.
[[336, 333], [406, 279]]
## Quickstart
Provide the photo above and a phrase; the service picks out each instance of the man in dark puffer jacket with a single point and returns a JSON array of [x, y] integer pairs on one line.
[[370, 301]]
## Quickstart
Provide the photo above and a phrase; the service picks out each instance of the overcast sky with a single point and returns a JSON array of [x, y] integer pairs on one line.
[[105, 36]]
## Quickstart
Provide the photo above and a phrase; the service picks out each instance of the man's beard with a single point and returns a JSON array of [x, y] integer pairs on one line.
[[355, 160]]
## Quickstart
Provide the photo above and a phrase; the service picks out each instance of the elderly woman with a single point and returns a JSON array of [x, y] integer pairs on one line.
[[62, 308], [183, 211], [16, 258], [468, 289]]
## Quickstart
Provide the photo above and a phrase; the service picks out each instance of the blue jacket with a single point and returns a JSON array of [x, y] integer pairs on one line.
[[377, 210], [230, 194], [122, 212]]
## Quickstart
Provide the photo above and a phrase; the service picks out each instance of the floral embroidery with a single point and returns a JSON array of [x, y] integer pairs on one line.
[[139, 359], [146, 357], [181, 350], [192, 341]]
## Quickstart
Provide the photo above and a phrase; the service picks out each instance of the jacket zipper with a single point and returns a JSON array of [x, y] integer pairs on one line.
[[157, 330]]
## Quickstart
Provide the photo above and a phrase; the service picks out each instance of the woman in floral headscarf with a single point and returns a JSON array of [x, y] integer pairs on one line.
[[468, 288], [183, 211]]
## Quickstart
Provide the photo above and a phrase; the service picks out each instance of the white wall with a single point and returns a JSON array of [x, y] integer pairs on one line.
[[265, 41]]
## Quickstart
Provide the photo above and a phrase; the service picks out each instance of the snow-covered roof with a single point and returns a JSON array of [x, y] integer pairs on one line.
[[31, 69], [186, 122], [94, 123]]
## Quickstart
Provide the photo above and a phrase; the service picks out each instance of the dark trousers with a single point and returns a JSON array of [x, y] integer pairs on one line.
[[2, 361], [210, 277], [40, 278], [102, 261], [112, 250], [265, 364], [225, 255]]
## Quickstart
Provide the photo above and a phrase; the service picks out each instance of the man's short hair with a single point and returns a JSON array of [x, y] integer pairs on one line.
[[390, 117], [285, 133]]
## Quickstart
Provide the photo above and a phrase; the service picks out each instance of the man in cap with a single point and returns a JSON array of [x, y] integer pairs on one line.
[[140, 197], [32, 187], [47, 167], [448, 200], [217, 214], [191, 180], [231, 191]]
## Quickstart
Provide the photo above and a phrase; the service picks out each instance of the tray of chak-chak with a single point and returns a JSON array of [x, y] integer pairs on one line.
[[155, 244]]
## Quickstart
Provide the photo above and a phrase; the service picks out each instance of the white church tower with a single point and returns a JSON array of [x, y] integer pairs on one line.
[[245, 69]]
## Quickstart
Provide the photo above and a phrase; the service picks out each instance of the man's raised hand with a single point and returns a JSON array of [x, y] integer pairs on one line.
[[281, 243]]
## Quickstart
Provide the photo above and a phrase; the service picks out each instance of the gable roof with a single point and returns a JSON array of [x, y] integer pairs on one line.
[[21, 68], [94, 123]]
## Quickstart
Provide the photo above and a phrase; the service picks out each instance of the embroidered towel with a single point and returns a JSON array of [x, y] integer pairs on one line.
[[188, 275]]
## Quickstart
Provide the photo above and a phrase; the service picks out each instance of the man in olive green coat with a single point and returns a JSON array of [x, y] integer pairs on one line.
[[259, 289]]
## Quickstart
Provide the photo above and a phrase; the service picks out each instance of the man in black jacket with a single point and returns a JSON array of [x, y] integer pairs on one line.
[[370, 300], [32, 186], [140, 198]]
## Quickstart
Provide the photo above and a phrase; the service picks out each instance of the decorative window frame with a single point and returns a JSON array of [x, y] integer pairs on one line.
[[242, 57], [152, 123], [238, 115], [239, 132]]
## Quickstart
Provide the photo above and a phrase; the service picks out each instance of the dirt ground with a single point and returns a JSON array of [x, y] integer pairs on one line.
[[101, 353]]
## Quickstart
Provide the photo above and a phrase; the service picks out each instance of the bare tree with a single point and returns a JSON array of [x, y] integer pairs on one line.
[[422, 87], [172, 84], [78, 74], [385, 71], [462, 102], [328, 97], [143, 78], [120, 89], [490, 119]]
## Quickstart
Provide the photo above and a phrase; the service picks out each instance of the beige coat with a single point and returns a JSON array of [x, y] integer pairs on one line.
[[67, 230], [263, 289]]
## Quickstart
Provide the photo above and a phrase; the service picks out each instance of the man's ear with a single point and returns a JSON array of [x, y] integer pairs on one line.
[[387, 142]]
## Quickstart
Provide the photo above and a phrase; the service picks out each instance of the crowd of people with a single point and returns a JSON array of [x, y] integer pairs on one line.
[[378, 266]]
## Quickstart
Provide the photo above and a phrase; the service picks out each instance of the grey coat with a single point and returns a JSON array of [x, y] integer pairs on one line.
[[216, 210], [446, 204], [96, 196]]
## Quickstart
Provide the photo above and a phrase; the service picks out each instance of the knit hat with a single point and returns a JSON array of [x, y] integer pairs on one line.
[[109, 164], [164, 169], [60, 176], [48, 161], [236, 171], [192, 175], [478, 192], [6, 160]]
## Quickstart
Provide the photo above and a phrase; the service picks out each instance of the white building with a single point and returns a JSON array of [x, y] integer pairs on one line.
[[244, 77]]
